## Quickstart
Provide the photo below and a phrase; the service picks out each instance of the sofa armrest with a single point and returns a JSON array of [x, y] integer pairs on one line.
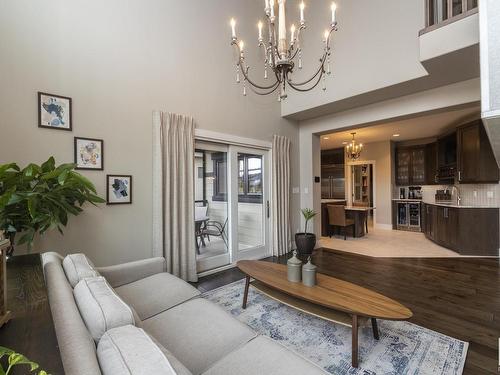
[[126, 273]]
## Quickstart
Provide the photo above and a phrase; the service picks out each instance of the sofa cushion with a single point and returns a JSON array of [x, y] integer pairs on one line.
[[155, 294], [198, 333], [263, 356], [178, 367], [128, 350], [100, 307], [77, 267]]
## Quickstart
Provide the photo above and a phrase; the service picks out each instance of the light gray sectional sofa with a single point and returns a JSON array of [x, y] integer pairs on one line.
[[162, 322]]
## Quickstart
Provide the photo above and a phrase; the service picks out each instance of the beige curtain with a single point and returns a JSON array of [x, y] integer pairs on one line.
[[173, 193], [281, 195]]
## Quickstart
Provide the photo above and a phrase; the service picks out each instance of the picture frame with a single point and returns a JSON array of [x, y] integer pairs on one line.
[[89, 153], [118, 189], [55, 112]]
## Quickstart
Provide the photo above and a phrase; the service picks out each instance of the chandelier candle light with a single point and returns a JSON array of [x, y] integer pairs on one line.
[[353, 149], [281, 53]]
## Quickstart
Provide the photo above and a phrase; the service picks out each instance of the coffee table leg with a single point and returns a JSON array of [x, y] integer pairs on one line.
[[354, 354], [245, 295], [375, 329]]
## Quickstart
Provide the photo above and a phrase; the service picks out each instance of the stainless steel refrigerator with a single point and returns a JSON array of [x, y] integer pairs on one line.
[[333, 181]]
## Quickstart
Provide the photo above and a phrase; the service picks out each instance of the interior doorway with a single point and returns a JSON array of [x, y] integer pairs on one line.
[[361, 186]]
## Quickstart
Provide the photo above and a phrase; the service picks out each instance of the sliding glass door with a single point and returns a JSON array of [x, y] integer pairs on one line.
[[211, 206], [251, 210], [231, 204]]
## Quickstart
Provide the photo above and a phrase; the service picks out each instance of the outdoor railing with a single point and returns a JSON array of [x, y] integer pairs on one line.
[[442, 12]]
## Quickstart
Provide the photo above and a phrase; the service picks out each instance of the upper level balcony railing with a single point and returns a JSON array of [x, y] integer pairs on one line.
[[442, 12]]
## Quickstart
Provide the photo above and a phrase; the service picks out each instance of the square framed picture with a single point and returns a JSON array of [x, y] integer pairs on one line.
[[118, 189], [89, 153], [54, 112]]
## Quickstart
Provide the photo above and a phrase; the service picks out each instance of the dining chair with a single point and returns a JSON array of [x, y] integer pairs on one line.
[[215, 229], [337, 218]]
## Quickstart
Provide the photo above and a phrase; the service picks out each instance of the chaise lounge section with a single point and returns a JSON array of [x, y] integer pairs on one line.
[[193, 334]]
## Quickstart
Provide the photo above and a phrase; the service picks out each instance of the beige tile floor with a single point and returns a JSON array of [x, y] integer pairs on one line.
[[389, 243]]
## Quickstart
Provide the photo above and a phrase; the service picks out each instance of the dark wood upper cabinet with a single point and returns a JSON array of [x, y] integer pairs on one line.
[[417, 156], [431, 163], [415, 166], [403, 165], [476, 162]]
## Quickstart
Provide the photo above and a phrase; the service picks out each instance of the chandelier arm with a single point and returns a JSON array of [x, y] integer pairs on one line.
[[320, 69], [244, 72], [264, 93], [309, 88]]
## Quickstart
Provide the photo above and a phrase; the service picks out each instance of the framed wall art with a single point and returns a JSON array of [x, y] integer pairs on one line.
[[118, 189], [89, 153], [54, 112]]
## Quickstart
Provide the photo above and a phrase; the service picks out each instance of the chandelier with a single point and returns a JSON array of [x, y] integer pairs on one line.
[[353, 149], [281, 53]]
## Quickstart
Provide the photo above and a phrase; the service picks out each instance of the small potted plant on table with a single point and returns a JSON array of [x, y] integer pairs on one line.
[[306, 241]]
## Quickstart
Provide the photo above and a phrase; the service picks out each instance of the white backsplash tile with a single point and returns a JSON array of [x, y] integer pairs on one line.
[[484, 195]]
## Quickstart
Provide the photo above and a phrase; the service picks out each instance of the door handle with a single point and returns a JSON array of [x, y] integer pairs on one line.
[[267, 209]]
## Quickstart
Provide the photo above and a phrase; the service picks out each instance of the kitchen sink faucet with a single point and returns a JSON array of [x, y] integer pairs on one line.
[[457, 191]]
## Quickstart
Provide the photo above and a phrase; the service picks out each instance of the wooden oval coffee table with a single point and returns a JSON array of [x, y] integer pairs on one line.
[[331, 299]]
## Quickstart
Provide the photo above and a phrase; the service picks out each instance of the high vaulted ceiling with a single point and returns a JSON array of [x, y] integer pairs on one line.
[[409, 129]]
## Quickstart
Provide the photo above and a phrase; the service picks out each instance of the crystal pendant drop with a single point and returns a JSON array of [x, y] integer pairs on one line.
[[244, 91], [237, 74], [324, 82], [300, 59], [265, 73]]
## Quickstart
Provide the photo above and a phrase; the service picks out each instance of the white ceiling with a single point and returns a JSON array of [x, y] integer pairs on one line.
[[415, 128]]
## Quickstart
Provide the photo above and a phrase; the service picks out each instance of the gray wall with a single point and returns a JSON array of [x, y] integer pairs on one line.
[[376, 47], [119, 60]]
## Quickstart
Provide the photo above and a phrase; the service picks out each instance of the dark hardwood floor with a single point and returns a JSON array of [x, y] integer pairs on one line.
[[459, 297], [31, 330]]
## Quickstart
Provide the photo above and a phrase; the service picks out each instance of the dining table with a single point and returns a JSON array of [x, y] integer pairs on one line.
[[360, 216]]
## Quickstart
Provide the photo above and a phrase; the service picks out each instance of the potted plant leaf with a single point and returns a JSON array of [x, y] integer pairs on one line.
[[306, 241], [39, 198], [15, 359]]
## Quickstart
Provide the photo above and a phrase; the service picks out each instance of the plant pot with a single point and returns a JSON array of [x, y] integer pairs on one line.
[[305, 243]]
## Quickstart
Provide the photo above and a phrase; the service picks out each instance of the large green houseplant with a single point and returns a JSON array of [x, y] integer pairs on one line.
[[40, 198], [306, 241]]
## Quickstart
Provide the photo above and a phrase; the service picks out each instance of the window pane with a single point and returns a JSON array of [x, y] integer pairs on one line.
[[221, 177], [471, 4], [254, 163], [241, 175], [457, 7], [255, 182]]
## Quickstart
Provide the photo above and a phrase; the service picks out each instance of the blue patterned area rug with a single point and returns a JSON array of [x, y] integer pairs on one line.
[[403, 348]]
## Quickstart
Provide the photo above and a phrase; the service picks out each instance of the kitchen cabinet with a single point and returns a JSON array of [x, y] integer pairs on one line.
[[431, 164], [447, 158], [468, 231], [403, 166], [428, 220], [476, 161], [411, 166]]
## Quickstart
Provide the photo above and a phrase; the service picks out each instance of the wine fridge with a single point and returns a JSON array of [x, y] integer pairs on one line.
[[408, 216]]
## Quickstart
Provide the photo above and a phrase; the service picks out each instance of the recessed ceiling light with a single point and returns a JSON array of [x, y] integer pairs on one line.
[[396, 135], [326, 137], [344, 143]]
